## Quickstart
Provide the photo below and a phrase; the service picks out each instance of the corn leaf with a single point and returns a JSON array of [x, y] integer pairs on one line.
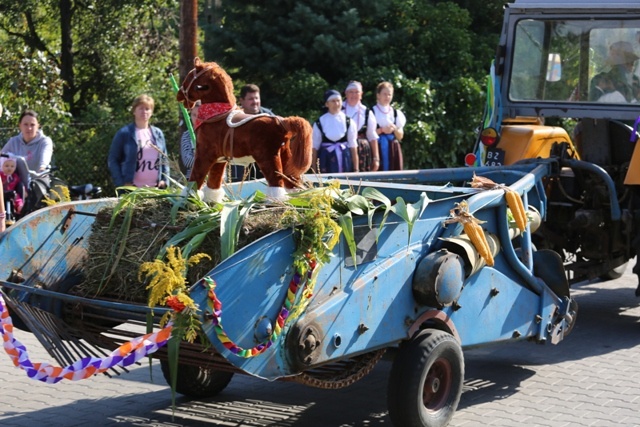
[[232, 217], [358, 204], [374, 194], [410, 212], [201, 228], [229, 218], [193, 244], [346, 224]]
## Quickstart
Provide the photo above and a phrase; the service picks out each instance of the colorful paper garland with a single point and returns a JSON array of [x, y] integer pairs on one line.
[[214, 313], [125, 355], [137, 348]]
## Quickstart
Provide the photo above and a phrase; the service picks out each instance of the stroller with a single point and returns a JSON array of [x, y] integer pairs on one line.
[[15, 194], [34, 187]]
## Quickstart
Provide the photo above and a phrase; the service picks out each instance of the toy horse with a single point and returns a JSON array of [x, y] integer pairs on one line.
[[281, 147]]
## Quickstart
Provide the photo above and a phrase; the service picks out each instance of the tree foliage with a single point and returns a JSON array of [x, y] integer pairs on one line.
[[80, 63], [269, 39], [295, 50]]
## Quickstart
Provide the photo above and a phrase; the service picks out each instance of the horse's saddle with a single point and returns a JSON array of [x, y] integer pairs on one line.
[[235, 117], [238, 117], [216, 111]]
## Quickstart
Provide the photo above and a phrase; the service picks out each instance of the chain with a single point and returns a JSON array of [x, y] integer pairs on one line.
[[352, 370]]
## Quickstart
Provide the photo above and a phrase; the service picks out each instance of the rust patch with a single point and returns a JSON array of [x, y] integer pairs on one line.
[[68, 220]]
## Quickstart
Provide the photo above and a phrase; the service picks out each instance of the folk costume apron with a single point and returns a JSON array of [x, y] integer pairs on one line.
[[365, 158], [335, 156], [390, 149]]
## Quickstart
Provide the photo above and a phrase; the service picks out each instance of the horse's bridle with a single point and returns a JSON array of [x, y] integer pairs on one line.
[[195, 76]]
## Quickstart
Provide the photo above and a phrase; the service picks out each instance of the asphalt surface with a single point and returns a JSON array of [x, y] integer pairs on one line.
[[589, 379]]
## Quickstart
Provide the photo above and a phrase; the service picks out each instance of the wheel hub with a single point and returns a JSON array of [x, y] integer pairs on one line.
[[435, 385], [304, 345]]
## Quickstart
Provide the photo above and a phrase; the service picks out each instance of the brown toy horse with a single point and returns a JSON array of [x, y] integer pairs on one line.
[[281, 147]]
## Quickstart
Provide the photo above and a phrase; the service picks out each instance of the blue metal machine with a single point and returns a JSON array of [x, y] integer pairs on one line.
[[424, 295]]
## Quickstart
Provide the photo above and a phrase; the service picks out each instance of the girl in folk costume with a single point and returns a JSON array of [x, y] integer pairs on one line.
[[366, 126], [390, 129], [335, 138]]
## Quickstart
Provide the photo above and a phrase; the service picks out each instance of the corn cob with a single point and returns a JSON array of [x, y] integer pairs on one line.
[[514, 201], [479, 240], [471, 226]]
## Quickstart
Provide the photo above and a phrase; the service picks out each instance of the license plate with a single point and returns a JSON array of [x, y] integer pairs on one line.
[[495, 157]]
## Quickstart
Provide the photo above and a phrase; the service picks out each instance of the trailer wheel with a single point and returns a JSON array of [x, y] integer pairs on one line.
[[196, 381], [426, 379]]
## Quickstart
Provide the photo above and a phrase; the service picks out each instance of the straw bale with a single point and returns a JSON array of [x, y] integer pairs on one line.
[[111, 270]]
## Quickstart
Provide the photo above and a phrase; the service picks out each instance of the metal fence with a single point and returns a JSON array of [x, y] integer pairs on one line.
[[81, 150]]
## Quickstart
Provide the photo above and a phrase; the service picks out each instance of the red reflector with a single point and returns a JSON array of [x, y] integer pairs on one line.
[[470, 159]]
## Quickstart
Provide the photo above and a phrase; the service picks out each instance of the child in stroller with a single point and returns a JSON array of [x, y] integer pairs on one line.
[[14, 185], [26, 191]]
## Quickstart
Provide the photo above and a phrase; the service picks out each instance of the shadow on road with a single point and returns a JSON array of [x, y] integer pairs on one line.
[[608, 321]]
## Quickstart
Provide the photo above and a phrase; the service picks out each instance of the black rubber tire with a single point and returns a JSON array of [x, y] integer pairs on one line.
[[432, 358], [616, 273], [196, 381]]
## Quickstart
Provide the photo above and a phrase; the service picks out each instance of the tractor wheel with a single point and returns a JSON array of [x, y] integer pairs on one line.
[[426, 379], [196, 381]]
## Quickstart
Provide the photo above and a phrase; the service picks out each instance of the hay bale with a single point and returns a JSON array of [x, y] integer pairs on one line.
[[111, 270]]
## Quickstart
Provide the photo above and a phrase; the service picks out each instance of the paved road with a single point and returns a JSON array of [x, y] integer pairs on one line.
[[589, 379]]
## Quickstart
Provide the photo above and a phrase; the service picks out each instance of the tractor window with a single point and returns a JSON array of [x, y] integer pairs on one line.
[[576, 61], [526, 75]]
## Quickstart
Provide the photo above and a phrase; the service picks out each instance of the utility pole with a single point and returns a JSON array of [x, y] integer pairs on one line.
[[188, 45], [188, 36]]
